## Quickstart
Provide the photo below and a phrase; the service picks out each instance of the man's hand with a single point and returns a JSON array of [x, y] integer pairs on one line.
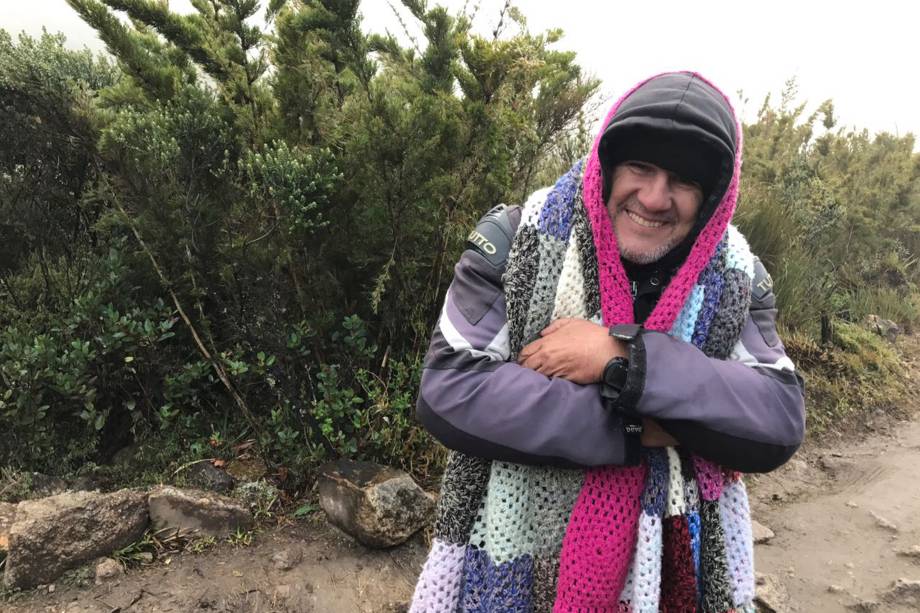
[[574, 349], [653, 435]]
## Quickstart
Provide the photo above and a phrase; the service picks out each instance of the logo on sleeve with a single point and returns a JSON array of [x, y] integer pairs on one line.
[[482, 242]]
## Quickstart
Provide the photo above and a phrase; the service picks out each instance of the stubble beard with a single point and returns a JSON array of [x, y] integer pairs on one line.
[[643, 256], [646, 256]]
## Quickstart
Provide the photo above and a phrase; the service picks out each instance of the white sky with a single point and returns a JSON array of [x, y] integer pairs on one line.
[[862, 55]]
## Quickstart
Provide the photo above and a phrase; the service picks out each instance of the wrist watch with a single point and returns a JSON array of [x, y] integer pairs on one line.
[[614, 378]]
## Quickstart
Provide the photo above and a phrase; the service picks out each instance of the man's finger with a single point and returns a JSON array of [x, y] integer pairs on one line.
[[529, 349], [553, 327]]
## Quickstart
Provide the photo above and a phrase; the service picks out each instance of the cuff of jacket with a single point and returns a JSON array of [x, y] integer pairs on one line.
[[635, 377]]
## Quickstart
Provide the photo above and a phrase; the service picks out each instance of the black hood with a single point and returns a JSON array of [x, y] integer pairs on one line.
[[681, 123]]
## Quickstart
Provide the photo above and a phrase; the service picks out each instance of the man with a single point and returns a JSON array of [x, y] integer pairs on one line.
[[617, 313]]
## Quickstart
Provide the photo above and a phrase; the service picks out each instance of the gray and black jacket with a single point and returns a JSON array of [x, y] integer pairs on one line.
[[746, 413]]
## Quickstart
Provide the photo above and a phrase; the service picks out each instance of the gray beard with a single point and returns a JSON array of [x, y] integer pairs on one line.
[[648, 256]]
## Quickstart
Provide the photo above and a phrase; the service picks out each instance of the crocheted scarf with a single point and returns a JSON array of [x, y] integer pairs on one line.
[[670, 534]]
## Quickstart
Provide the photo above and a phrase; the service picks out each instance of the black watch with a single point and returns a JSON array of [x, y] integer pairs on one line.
[[614, 378]]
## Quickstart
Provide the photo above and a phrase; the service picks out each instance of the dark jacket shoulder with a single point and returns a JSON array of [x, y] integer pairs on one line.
[[494, 233]]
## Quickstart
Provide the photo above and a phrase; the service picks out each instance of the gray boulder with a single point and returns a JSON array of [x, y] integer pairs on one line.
[[377, 505], [206, 476], [51, 535], [883, 327], [207, 513]]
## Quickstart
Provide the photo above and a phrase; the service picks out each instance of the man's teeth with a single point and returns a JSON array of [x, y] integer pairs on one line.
[[645, 223]]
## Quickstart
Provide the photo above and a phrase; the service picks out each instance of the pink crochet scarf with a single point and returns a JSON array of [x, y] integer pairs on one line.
[[597, 547]]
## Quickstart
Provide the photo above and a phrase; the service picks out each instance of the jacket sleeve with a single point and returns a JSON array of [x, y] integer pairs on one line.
[[746, 413], [474, 400]]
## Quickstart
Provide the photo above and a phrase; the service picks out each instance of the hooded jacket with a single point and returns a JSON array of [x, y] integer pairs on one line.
[[746, 413]]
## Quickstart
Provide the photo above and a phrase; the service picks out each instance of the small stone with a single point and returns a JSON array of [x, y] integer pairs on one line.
[[913, 553], [247, 469], [283, 591], [51, 588], [850, 565], [882, 522], [286, 559], [864, 606], [904, 592], [852, 504], [762, 534], [145, 557], [206, 476], [772, 596], [834, 589], [107, 569]]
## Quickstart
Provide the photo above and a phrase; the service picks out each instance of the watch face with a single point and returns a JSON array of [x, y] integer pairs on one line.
[[615, 373]]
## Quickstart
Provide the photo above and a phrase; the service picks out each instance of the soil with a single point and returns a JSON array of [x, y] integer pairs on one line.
[[844, 512], [334, 575]]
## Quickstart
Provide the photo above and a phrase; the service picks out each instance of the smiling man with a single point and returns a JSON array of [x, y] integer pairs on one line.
[[605, 363]]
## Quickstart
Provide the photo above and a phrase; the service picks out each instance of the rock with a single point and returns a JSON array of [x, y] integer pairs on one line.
[[144, 557], [882, 522], [54, 534], [257, 495], [206, 476], [286, 559], [46, 485], [207, 513], [377, 505], [913, 552], [835, 589], [772, 596], [7, 515], [864, 606], [883, 327], [852, 504], [247, 469], [125, 455], [762, 534], [107, 569], [86, 483], [904, 592]]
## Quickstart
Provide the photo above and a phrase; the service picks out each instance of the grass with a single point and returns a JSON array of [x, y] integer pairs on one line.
[[856, 375]]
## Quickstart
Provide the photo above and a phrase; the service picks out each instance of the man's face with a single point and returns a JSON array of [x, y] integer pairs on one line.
[[652, 210]]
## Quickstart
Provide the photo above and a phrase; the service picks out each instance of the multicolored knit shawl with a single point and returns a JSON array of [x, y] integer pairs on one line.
[[672, 534]]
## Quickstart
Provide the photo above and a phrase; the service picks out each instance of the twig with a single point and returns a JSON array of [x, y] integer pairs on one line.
[[199, 344], [184, 466], [404, 27], [501, 20]]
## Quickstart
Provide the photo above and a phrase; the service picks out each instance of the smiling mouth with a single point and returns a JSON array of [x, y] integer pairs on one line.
[[645, 223]]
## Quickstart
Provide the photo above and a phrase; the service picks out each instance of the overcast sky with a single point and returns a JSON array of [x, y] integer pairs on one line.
[[863, 56]]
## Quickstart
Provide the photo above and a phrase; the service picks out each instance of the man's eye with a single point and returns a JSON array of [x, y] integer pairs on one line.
[[640, 167], [684, 184]]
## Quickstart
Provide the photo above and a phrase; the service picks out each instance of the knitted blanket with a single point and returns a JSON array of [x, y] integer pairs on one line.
[[671, 534]]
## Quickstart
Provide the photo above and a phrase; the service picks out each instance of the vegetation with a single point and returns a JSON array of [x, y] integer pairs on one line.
[[233, 232]]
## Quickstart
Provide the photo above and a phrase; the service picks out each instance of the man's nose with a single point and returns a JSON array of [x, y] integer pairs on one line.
[[655, 193]]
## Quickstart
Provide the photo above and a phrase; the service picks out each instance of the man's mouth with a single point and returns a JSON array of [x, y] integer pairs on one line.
[[642, 221]]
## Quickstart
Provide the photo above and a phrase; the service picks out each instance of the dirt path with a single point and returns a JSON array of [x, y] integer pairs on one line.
[[844, 516], [334, 575]]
